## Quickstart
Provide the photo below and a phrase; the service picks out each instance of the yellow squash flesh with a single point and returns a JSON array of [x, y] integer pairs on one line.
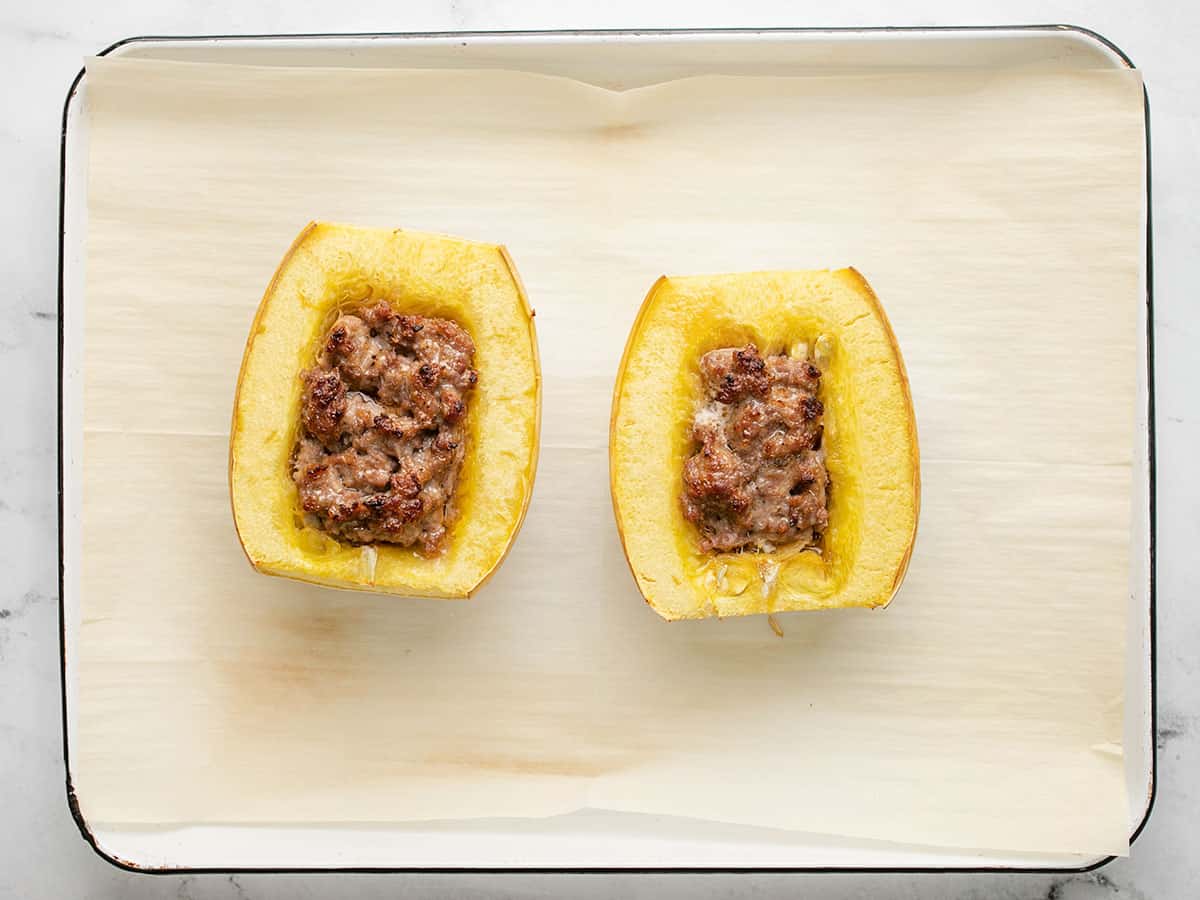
[[336, 266], [870, 441]]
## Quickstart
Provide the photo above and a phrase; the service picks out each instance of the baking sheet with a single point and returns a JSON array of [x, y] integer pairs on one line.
[[982, 710]]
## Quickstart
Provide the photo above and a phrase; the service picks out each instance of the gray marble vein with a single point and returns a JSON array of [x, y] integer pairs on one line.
[[42, 44]]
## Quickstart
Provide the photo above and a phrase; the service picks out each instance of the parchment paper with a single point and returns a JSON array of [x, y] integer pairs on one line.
[[997, 216]]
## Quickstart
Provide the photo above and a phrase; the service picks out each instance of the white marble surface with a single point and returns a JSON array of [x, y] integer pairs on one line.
[[41, 853]]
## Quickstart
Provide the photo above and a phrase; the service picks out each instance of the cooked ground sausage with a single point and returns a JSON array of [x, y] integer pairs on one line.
[[757, 479], [383, 428]]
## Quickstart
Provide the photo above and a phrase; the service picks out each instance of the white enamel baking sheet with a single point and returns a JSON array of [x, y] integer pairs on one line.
[[590, 839]]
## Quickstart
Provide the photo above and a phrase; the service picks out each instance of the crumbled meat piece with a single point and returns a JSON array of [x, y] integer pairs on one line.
[[758, 477], [733, 374], [325, 404], [383, 428]]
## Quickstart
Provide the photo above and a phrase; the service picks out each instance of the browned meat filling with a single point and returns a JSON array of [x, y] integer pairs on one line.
[[383, 428], [757, 479]]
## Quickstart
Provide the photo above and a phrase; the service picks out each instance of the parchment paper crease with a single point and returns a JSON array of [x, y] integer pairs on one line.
[[996, 216]]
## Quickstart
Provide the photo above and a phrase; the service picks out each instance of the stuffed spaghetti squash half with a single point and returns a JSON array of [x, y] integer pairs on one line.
[[385, 425], [763, 448]]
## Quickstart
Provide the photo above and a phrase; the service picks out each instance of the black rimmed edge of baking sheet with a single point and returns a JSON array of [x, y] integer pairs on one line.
[[72, 800]]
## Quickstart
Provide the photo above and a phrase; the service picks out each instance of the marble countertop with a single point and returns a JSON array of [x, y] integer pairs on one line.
[[41, 852]]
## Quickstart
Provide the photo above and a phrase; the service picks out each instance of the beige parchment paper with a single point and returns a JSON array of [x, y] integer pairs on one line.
[[997, 216]]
